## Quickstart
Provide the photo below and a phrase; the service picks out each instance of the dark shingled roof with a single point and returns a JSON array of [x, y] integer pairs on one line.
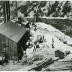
[[12, 31]]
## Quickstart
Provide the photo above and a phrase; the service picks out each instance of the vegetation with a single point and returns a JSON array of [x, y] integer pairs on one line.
[[56, 9], [37, 8], [66, 8]]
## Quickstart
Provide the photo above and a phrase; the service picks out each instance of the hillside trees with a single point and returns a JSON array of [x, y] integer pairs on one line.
[[34, 6], [66, 8], [53, 8], [40, 8]]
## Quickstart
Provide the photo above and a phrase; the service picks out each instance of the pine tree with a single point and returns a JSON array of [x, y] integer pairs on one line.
[[66, 8]]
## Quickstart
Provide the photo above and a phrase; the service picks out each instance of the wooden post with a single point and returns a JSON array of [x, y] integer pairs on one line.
[[6, 11]]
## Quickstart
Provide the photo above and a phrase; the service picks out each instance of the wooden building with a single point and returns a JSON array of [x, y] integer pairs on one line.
[[13, 39]]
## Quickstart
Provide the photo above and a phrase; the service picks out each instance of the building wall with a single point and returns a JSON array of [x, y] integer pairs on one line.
[[12, 48], [23, 40], [1, 43], [9, 45], [22, 44]]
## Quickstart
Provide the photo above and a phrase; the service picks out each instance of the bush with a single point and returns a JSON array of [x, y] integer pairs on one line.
[[29, 61]]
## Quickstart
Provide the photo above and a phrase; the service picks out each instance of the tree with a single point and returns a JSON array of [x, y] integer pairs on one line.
[[32, 6], [53, 8], [6, 11], [66, 8]]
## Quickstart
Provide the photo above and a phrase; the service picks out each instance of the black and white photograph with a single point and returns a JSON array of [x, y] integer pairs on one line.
[[36, 36]]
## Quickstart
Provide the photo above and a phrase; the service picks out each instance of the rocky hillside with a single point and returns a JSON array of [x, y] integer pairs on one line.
[[43, 57]]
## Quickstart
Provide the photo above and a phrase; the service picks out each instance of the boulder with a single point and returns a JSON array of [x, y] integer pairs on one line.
[[59, 54]]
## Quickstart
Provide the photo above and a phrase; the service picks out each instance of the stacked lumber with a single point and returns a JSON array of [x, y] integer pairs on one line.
[[44, 63]]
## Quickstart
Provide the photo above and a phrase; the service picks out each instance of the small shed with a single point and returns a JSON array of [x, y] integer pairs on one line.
[[13, 39]]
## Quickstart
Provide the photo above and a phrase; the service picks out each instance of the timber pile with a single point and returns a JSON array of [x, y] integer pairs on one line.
[[44, 63], [58, 66]]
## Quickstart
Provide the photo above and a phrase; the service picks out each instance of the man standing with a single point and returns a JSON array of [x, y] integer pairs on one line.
[[5, 55]]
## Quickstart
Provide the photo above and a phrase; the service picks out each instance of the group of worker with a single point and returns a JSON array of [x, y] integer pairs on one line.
[[36, 43]]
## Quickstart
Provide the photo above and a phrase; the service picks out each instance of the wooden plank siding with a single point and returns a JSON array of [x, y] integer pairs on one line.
[[10, 46], [23, 40], [0, 43]]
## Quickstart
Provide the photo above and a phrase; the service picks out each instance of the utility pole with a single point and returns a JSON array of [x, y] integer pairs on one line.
[[6, 11], [16, 8]]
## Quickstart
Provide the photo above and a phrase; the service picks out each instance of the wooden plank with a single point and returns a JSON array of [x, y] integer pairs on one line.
[[43, 64]]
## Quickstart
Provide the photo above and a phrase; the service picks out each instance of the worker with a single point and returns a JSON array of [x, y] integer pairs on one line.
[[43, 37], [5, 55], [52, 43], [36, 45], [5, 59], [27, 25], [20, 54], [35, 27], [20, 22]]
